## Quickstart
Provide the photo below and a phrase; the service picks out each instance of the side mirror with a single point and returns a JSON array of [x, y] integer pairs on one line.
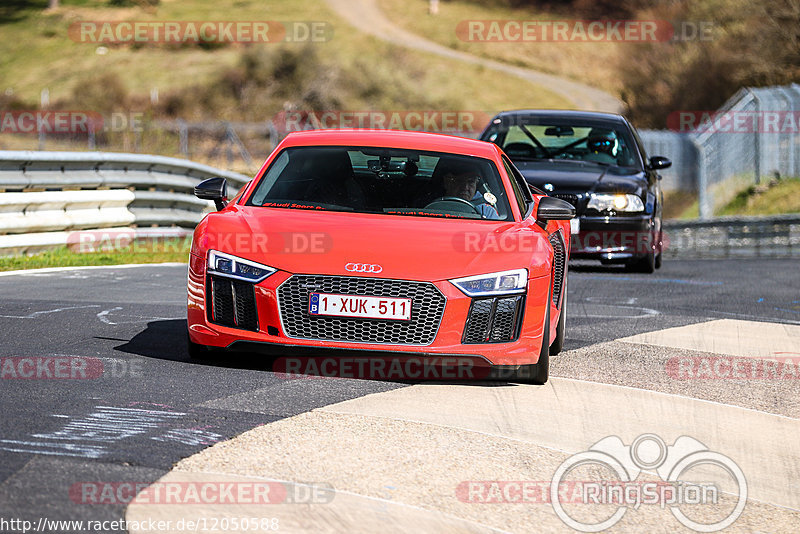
[[659, 162], [215, 189], [554, 209]]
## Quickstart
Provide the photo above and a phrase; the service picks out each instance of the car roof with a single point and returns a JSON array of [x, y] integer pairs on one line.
[[394, 139], [563, 114]]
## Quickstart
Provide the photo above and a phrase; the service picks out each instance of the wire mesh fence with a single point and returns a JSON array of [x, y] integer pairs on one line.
[[754, 137]]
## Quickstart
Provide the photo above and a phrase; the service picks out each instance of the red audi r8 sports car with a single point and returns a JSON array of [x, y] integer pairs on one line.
[[383, 244]]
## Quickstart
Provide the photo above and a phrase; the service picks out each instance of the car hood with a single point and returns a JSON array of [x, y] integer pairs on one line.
[[582, 176], [405, 247]]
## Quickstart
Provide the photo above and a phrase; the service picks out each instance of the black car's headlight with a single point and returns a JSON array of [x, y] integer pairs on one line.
[[501, 283], [615, 202], [239, 268]]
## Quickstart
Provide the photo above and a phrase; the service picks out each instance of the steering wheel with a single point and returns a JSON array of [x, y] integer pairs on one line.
[[472, 206]]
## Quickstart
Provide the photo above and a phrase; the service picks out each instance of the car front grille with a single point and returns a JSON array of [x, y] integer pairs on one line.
[[493, 320], [427, 308], [559, 265], [231, 303]]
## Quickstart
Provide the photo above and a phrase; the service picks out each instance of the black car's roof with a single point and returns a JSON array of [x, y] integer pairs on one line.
[[563, 114]]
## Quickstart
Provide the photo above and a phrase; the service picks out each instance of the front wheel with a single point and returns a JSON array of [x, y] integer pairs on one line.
[[199, 352], [645, 265], [539, 372], [660, 251]]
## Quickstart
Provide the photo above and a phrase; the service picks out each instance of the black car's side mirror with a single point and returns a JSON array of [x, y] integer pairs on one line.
[[215, 189], [554, 209], [659, 162]]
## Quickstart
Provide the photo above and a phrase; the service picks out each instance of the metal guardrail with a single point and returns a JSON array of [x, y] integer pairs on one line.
[[733, 237], [51, 195], [25, 170], [47, 195]]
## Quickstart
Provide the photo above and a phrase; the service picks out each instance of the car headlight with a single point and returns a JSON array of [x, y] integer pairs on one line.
[[239, 268], [608, 202], [501, 283]]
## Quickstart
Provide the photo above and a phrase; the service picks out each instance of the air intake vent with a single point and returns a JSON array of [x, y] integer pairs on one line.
[[559, 266], [493, 320], [232, 303]]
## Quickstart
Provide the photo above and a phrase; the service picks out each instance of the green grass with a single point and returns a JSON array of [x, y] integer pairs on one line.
[[779, 197], [773, 198], [37, 52], [174, 251]]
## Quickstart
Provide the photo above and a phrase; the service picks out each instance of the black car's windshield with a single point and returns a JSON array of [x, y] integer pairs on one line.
[[571, 140], [386, 181]]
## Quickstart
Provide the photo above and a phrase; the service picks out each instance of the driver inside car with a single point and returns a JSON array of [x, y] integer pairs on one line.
[[602, 145], [464, 185]]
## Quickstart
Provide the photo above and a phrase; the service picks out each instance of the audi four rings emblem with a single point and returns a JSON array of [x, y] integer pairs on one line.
[[363, 268]]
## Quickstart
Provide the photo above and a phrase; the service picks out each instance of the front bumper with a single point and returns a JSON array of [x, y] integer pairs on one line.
[[614, 238], [270, 336]]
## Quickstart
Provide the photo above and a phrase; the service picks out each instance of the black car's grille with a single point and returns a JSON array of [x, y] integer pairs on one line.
[[572, 199], [493, 320], [427, 308], [232, 303], [559, 264]]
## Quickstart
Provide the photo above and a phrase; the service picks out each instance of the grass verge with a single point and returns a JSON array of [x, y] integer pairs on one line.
[[64, 257], [775, 197]]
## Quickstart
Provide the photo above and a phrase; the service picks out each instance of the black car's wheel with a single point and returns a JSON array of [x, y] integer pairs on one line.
[[558, 342], [660, 251], [646, 264]]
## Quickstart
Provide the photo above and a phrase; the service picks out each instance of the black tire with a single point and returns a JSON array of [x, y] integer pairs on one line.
[[199, 352], [558, 342], [538, 373], [645, 265], [660, 251]]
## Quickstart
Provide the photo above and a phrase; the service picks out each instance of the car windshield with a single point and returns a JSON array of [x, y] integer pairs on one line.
[[538, 139], [386, 181]]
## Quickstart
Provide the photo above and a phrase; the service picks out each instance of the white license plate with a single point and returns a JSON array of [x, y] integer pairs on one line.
[[575, 226], [360, 306]]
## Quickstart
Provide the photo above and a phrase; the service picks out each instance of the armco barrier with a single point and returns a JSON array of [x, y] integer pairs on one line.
[[51, 194], [776, 236], [44, 195]]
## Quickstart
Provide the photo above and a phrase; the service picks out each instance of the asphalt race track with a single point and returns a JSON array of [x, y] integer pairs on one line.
[[393, 453]]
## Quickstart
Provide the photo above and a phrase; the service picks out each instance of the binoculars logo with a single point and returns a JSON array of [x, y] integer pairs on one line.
[[673, 464]]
